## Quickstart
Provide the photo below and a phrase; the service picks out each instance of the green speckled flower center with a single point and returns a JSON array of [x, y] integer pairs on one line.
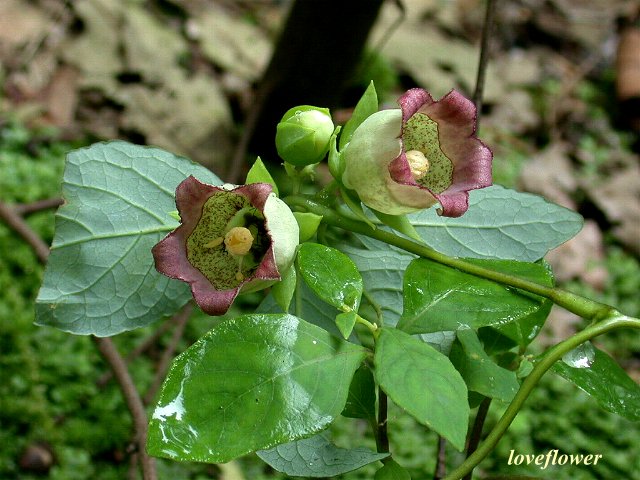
[[215, 262], [421, 133]]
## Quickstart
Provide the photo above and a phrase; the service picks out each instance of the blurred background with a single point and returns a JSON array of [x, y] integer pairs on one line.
[[209, 79]]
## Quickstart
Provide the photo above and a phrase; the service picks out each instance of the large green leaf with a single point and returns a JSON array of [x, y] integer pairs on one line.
[[603, 379], [438, 298], [100, 278], [317, 457], [480, 373], [424, 382], [251, 383], [500, 224], [331, 275]]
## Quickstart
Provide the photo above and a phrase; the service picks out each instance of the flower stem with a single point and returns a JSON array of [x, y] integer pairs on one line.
[[577, 304]]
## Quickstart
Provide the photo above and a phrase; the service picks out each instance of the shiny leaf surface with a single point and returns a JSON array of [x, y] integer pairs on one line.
[[100, 277], [424, 382], [602, 378], [251, 383], [438, 298], [317, 457], [331, 275]]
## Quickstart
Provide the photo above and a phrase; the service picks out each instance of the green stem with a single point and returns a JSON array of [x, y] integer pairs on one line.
[[577, 304], [553, 355]]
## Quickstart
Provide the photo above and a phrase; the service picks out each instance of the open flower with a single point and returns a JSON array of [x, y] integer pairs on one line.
[[403, 160], [232, 239]]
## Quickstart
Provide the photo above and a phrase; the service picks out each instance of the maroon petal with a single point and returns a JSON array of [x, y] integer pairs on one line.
[[471, 158], [170, 254]]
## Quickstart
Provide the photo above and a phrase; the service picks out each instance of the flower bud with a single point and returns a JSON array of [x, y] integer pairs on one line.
[[232, 240], [303, 134]]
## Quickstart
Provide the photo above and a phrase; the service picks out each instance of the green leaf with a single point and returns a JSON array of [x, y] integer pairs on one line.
[[480, 373], [424, 382], [251, 383], [258, 173], [382, 268], [345, 322], [331, 275], [361, 402], [317, 457], [306, 304], [605, 381], [308, 224], [438, 298], [366, 106], [500, 224], [283, 290], [100, 278], [392, 470]]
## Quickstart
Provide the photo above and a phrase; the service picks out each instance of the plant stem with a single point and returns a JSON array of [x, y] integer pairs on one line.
[[484, 59], [133, 401], [554, 354], [476, 430], [17, 223], [382, 437], [581, 306], [441, 465]]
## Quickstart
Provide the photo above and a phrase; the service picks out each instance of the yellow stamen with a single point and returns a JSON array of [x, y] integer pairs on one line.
[[214, 243], [238, 241], [418, 163]]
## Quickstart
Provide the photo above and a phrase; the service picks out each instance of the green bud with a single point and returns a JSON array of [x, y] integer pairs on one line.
[[303, 134]]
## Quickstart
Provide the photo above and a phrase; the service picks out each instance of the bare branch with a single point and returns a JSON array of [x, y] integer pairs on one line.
[[134, 403], [17, 223], [163, 366], [484, 58]]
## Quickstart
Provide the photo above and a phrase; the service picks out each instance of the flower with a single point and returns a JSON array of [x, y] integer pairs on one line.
[[231, 240], [403, 160], [303, 134]]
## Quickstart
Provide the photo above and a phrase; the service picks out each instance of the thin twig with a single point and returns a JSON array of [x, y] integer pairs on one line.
[[27, 208], [17, 223], [142, 347], [382, 437], [133, 401], [105, 346], [165, 360], [476, 431], [484, 58], [441, 466]]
